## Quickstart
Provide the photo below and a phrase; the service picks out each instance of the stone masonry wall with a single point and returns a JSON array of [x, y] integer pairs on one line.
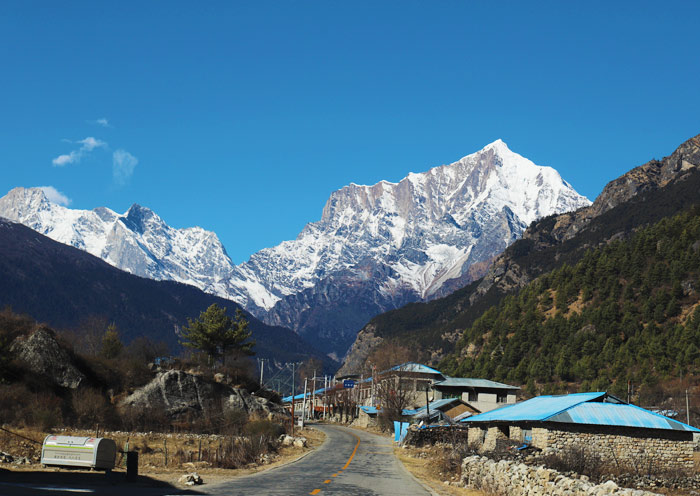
[[447, 434], [475, 437], [511, 478], [641, 449], [540, 437], [493, 434], [623, 448]]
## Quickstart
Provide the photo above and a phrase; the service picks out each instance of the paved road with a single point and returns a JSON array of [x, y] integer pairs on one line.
[[349, 463]]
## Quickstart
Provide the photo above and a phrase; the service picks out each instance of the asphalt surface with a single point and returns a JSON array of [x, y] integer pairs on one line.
[[348, 463]]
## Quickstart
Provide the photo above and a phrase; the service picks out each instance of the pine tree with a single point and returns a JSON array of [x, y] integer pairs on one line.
[[216, 334]]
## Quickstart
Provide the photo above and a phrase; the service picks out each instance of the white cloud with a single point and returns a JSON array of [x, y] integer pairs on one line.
[[123, 164], [102, 122], [91, 143], [87, 145], [62, 160], [55, 196]]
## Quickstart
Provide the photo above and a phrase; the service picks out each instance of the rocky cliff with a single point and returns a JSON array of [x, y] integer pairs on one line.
[[177, 393]]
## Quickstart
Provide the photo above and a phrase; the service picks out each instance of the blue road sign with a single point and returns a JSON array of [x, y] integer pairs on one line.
[[348, 383]]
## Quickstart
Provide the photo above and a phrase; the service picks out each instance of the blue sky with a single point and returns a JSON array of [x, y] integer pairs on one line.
[[242, 117]]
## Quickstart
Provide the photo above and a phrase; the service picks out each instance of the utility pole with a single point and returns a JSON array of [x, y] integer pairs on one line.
[[325, 395], [313, 397], [293, 364], [261, 361], [687, 408], [303, 408], [427, 405]]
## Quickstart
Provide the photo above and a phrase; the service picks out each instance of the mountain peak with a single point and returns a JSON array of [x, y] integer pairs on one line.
[[498, 146], [28, 194], [23, 201]]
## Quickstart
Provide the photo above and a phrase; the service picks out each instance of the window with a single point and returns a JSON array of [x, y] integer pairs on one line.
[[473, 396], [501, 398]]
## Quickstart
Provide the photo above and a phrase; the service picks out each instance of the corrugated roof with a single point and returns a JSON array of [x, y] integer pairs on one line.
[[582, 408], [415, 367], [475, 383], [619, 415], [300, 396], [434, 405], [538, 408]]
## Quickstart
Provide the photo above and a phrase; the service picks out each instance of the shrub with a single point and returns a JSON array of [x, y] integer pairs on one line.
[[267, 428], [91, 408]]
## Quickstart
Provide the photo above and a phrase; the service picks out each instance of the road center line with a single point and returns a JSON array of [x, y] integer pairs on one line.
[[353, 451], [315, 491]]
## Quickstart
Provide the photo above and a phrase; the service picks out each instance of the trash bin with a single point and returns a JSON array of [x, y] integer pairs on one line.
[[132, 466]]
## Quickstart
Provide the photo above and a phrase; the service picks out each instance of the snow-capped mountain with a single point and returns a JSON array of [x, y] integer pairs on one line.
[[137, 241], [375, 247]]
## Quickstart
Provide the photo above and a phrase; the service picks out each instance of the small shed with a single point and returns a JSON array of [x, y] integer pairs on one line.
[[84, 452]]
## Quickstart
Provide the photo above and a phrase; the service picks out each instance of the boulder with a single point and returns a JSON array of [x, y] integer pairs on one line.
[[45, 356], [177, 393], [191, 479]]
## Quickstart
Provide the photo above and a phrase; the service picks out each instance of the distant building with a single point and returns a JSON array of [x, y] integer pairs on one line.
[[482, 394], [597, 424], [420, 383]]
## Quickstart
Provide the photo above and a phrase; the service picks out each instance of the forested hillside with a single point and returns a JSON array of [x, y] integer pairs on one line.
[[635, 200], [628, 311]]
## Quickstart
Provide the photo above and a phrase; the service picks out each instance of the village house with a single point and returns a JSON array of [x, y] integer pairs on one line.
[[482, 394], [597, 424], [419, 383]]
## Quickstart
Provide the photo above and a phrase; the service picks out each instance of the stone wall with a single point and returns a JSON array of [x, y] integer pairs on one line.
[[517, 479], [622, 448], [493, 434], [438, 434], [645, 450], [475, 437]]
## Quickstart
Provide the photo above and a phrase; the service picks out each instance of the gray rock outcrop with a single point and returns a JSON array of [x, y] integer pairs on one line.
[[177, 393], [45, 356]]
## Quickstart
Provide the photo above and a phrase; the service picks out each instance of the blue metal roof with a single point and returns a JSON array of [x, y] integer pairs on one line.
[[300, 396], [371, 410], [581, 408], [619, 415], [472, 383], [537, 408], [415, 367]]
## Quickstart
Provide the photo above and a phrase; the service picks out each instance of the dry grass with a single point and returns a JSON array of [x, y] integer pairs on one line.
[[151, 447], [421, 462]]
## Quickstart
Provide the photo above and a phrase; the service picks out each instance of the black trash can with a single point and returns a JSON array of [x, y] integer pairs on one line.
[[132, 466]]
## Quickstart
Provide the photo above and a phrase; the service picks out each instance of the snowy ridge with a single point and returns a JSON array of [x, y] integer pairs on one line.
[[137, 241], [402, 240], [428, 227]]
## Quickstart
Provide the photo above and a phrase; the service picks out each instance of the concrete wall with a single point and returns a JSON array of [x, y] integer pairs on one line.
[[489, 401]]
